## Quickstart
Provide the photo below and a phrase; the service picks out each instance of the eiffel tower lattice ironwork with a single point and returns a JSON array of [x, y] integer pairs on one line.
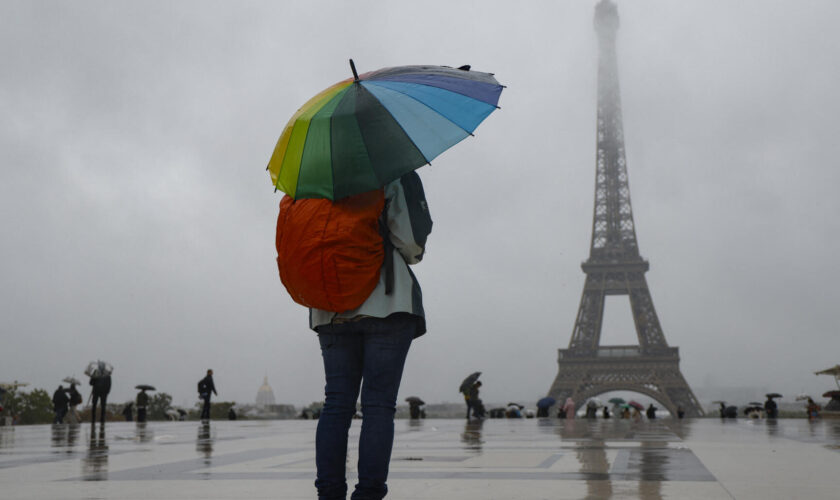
[[615, 267]]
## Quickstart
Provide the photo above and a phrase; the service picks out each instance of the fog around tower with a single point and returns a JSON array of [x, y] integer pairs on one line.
[[138, 221]]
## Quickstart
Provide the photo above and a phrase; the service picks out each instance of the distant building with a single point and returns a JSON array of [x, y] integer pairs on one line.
[[265, 395]]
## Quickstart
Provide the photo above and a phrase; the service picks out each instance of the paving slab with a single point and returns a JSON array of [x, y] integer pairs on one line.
[[432, 459]]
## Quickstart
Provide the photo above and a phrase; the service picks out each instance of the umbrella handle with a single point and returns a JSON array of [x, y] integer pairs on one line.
[[353, 67]]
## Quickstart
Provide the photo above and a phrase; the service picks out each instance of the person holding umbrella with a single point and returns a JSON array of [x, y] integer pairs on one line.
[[100, 381], [142, 401], [771, 409], [347, 159]]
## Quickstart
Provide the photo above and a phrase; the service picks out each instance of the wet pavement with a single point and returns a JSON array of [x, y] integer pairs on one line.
[[432, 459]]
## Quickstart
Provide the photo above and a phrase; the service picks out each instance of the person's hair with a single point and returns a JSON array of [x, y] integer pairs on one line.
[[209, 371]]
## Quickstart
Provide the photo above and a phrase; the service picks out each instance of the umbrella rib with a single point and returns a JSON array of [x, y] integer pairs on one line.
[[433, 109], [401, 128]]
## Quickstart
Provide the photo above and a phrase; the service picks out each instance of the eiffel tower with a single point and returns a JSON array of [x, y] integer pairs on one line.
[[615, 267]]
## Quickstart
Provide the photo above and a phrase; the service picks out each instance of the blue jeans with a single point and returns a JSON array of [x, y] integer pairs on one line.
[[368, 354]]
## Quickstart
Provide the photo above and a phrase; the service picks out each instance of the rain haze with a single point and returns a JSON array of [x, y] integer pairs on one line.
[[138, 220]]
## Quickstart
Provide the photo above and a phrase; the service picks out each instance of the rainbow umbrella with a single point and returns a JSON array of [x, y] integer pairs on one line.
[[369, 130]]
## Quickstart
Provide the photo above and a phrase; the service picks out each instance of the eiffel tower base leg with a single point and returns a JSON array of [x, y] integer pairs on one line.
[[656, 376]]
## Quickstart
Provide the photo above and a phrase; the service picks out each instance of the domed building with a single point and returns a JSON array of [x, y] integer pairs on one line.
[[265, 395]]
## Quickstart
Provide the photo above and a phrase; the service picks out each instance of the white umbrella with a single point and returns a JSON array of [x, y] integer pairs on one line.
[[98, 368]]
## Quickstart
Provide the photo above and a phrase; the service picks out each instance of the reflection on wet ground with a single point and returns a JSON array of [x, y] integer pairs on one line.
[[577, 458], [204, 442], [471, 437], [64, 437], [7, 437], [95, 462]]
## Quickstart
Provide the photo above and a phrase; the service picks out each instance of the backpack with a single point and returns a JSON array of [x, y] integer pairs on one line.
[[329, 254], [202, 386]]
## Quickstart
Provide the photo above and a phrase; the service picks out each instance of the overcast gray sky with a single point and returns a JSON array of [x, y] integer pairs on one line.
[[138, 221]]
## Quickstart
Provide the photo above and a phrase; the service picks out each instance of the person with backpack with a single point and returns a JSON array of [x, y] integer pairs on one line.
[[366, 322], [205, 387], [75, 399]]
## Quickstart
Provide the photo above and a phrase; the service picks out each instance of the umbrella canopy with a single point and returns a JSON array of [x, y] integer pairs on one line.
[[13, 386], [546, 402], [98, 369], [773, 395], [468, 382], [832, 394], [638, 406], [617, 401], [595, 402], [756, 403], [834, 370], [415, 400], [369, 130], [71, 380], [516, 405], [144, 387]]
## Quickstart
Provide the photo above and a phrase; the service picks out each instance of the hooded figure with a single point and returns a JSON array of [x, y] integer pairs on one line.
[[569, 407], [60, 401]]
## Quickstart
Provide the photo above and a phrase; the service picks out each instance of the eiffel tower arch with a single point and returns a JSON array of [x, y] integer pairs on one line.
[[614, 267]]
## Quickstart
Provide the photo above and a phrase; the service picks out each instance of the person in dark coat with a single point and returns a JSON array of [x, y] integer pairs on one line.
[[100, 381], [128, 411], [606, 412], [231, 414], [651, 412], [60, 402], [680, 412], [205, 387], [771, 408], [142, 402], [472, 398]]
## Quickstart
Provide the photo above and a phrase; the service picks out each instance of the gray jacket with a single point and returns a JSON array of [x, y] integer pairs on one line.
[[407, 217]]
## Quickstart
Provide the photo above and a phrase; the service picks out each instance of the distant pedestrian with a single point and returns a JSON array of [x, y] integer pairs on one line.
[[205, 387], [231, 414], [569, 408], [128, 411], [771, 409], [142, 402], [680, 412], [100, 381], [75, 398], [606, 412], [60, 402], [625, 413], [561, 412], [813, 409], [651, 412], [591, 410], [472, 399]]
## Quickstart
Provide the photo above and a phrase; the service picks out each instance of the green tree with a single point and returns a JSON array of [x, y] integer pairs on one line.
[[158, 405], [33, 407]]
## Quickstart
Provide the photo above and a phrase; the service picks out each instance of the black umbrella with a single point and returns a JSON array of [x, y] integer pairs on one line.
[[832, 394], [144, 387], [468, 382], [516, 405], [773, 395], [414, 400]]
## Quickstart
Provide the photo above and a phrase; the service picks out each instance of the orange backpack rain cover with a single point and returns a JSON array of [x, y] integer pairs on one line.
[[329, 254]]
